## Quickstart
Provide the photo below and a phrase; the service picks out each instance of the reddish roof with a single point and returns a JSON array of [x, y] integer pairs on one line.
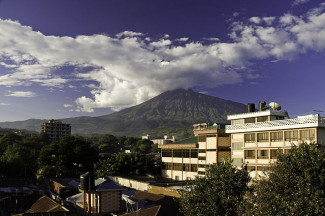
[[46, 204]]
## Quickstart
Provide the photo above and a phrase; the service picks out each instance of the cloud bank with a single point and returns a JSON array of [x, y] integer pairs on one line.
[[130, 67]]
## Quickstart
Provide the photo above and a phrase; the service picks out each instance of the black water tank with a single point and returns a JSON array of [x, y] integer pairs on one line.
[[92, 182], [84, 181], [250, 107], [261, 105]]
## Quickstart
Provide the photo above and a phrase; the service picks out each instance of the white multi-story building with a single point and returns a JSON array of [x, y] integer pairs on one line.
[[188, 158], [258, 136]]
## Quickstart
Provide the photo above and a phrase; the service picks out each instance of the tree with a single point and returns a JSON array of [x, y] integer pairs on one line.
[[108, 144], [143, 146], [70, 156], [220, 192], [133, 163], [295, 184]]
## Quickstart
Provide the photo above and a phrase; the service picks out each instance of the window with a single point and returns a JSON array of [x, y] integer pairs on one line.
[[168, 166], [178, 153], [193, 153], [237, 146], [237, 121], [187, 167], [201, 158], [202, 138], [250, 120], [186, 153], [166, 152], [201, 172], [202, 165], [178, 167], [263, 154], [193, 167], [263, 137], [307, 135], [202, 151], [262, 119], [290, 136], [209, 150], [275, 152], [176, 178], [250, 154], [250, 137], [276, 136]]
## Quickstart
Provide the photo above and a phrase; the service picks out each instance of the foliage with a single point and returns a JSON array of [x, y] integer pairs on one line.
[[143, 146], [108, 144], [133, 163], [295, 184], [220, 192], [70, 156], [9, 139]]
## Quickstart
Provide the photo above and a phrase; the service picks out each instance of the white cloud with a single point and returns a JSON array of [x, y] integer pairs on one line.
[[4, 104], [21, 94], [128, 69], [298, 2], [67, 105]]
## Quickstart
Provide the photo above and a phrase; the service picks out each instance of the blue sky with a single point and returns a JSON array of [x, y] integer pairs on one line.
[[65, 58]]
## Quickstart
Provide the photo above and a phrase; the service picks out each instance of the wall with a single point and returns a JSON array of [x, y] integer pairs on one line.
[[110, 201], [138, 185], [163, 190]]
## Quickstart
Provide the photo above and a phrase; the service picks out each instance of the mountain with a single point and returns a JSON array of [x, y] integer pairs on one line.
[[172, 113]]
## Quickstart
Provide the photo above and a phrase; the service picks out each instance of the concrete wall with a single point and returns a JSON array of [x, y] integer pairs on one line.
[[163, 190], [138, 185]]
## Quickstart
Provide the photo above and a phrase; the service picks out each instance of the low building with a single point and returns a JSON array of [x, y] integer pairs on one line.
[[56, 129], [258, 136], [188, 158]]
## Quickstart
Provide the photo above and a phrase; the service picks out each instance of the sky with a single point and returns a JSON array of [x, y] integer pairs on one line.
[[68, 58]]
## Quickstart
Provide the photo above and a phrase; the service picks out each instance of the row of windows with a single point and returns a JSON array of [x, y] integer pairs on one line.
[[180, 153], [254, 120], [277, 136], [263, 154], [180, 167], [258, 168]]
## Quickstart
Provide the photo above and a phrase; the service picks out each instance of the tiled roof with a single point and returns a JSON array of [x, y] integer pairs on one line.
[[153, 211], [46, 204]]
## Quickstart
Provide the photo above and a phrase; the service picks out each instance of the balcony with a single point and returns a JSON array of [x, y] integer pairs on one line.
[[302, 122]]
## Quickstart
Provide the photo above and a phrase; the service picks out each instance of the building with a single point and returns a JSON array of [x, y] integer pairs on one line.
[[258, 136], [56, 129], [188, 158]]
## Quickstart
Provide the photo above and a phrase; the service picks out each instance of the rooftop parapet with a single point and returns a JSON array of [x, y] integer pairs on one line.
[[258, 114], [301, 122]]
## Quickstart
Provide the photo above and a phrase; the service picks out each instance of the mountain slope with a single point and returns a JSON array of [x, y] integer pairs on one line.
[[172, 112]]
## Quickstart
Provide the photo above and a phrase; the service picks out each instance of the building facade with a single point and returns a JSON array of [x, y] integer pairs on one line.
[[258, 136], [188, 158], [56, 129]]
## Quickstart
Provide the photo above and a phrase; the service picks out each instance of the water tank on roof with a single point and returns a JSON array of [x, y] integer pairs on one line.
[[275, 106], [84, 181], [262, 106], [250, 107]]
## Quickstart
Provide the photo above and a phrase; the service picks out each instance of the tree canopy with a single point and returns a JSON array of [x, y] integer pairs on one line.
[[220, 192], [295, 184]]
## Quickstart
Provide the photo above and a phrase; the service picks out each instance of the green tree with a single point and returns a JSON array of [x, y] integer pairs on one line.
[[70, 156], [220, 192], [108, 144], [9, 139], [143, 146], [295, 184], [133, 163]]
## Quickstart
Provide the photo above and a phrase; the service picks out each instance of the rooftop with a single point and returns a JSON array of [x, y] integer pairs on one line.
[[257, 114], [301, 122]]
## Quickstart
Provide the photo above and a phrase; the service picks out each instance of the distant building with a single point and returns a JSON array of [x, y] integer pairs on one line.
[[188, 158], [56, 129], [258, 136]]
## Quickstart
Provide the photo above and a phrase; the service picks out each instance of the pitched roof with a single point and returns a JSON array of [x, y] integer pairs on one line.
[[107, 185], [153, 211], [46, 204]]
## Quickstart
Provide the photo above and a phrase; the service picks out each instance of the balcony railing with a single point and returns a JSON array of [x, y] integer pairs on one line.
[[313, 121]]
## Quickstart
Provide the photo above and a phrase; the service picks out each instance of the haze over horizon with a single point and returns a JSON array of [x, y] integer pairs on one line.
[[61, 59]]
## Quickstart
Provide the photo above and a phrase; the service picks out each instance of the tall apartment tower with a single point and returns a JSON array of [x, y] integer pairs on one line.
[[258, 135], [56, 129]]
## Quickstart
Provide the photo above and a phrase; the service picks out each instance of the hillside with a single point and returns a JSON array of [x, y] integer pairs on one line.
[[172, 113]]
